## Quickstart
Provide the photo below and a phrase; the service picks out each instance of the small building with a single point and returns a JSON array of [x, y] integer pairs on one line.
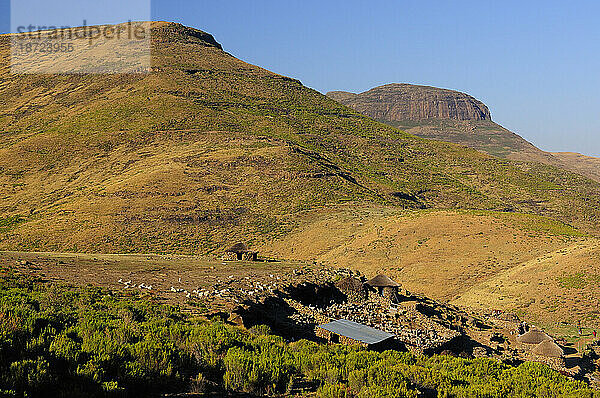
[[385, 286], [348, 332], [549, 353], [240, 252], [548, 348], [533, 337], [353, 288]]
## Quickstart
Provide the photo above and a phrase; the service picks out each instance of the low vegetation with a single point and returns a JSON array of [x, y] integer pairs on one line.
[[64, 341], [579, 280], [8, 222]]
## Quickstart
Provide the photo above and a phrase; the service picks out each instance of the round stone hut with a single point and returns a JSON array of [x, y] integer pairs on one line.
[[240, 252], [385, 286]]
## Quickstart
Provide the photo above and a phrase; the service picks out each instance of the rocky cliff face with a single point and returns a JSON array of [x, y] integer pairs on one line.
[[402, 102], [445, 115]]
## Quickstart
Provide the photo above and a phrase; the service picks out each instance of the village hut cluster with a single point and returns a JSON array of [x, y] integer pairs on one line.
[[374, 313], [377, 304], [370, 308]]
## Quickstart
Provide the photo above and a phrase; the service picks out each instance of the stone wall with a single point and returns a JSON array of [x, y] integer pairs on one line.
[[329, 336], [247, 256], [229, 256], [555, 363], [348, 341], [322, 333]]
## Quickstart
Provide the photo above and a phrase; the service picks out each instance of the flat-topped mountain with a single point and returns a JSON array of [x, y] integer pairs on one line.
[[452, 116], [402, 102], [443, 115], [207, 150]]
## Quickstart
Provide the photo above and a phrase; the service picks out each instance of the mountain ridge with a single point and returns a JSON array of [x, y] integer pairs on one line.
[[207, 150], [418, 110]]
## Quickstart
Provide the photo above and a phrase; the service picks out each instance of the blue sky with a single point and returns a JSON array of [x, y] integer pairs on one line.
[[534, 63]]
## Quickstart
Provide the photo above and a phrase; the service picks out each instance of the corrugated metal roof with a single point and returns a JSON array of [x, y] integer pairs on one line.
[[357, 331]]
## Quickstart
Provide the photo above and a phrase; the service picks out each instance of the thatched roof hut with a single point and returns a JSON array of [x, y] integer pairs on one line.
[[352, 286], [239, 252], [533, 337], [385, 286], [349, 284], [548, 348], [238, 248], [382, 281]]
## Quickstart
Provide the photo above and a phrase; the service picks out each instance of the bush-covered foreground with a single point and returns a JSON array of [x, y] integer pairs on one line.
[[63, 341]]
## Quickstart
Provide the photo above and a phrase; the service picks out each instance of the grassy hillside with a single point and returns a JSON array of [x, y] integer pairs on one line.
[[585, 165], [207, 149], [483, 135], [559, 285], [541, 269]]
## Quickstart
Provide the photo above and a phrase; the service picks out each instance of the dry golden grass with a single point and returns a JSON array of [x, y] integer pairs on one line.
[[439, 253], [542, 270], [182, 193], [562, 285], [208, 150], [584, 165], [161, 272]]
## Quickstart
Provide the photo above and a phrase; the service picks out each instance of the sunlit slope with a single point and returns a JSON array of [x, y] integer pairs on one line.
[[562, 285], [585, 165], [208, 149], [442, 254], [541, 269]]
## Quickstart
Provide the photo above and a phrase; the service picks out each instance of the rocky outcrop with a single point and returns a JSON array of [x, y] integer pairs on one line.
[[444, 115], [170, 32], [401, 102]]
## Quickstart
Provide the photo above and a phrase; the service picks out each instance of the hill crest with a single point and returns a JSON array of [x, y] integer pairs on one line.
[[208, 150]]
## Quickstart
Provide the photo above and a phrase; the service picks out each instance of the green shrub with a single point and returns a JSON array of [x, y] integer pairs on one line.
[[62, 341]]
